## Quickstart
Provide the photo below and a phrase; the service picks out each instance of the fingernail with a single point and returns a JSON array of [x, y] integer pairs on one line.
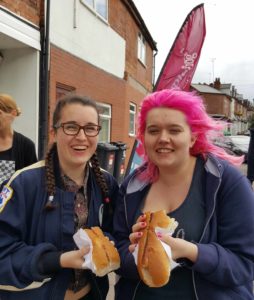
[[159, 235], [139, 233], [143, 224]]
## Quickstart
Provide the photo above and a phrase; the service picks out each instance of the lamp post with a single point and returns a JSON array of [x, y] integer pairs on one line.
[[212, 61]]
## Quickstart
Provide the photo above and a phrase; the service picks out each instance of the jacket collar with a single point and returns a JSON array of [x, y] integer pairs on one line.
[[135, 184]]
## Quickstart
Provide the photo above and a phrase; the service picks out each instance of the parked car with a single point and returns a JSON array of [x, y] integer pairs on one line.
[[240, 144], [234, 144], [225, 143]]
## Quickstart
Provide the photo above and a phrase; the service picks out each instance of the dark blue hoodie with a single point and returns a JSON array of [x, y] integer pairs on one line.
[[224, 269], [27, 232]]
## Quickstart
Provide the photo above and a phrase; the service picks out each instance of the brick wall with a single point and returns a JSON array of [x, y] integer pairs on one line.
[[217, 104], [85, 79], [28, 9], [124, 24]]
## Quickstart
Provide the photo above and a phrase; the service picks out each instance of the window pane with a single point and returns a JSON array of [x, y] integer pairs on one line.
[[101, 7], [132, 108], [104, 133], [104, 110], [141, 48], [132, 119], [132, 124], [89, 2]]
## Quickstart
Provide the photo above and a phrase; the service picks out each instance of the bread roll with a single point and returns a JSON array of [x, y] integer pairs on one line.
[[104, 255], [153, 262]]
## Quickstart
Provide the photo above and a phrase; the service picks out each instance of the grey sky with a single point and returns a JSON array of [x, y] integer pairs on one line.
[[228, 50]]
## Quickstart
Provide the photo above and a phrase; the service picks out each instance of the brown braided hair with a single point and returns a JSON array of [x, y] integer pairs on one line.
[[99, 177], [49, 160], [50, 177]]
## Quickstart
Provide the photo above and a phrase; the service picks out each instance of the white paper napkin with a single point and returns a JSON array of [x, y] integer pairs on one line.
[[82, 240], [166, 247]]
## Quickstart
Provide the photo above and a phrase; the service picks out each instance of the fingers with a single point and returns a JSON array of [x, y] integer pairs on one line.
[[141, 218], [84, 250], [166, 238], [135, 237], [137, 232], [140, 224], [132, 247]]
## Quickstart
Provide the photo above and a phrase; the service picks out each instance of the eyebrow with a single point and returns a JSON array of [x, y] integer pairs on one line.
[[169, 125], [74, 122]]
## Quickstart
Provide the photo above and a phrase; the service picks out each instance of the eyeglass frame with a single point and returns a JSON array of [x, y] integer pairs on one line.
[[61, 125]]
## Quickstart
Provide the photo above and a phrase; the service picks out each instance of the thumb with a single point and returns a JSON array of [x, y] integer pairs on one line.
[[166, 238], [84, 250]]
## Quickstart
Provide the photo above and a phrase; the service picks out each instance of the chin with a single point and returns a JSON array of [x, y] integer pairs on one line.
[[79, 162]]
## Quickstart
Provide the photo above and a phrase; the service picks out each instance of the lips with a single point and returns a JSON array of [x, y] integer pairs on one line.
[[164, 150], [79, 148]]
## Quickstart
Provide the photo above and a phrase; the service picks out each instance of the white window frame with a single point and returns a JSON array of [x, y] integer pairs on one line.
[[107, 118], [141, 48], [93, 9], [132, 131]]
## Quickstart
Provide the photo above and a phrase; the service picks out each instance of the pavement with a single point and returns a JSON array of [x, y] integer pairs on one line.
[[112, 275]]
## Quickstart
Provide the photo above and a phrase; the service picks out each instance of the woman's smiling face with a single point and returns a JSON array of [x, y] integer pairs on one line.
[[167, 137], [75, 151]]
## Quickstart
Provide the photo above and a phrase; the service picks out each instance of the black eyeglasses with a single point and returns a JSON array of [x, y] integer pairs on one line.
[[74, 129]]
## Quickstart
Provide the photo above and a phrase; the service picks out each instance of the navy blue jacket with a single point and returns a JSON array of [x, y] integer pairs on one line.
[[27, 231], [224, 269]]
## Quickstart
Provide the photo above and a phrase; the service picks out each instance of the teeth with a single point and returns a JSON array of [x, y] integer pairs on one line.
[[164, 150], [80, 148]]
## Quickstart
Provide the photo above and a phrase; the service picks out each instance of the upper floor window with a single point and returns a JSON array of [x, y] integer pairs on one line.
[[141, 48], [132, 130], [105, 122], [99, 6]]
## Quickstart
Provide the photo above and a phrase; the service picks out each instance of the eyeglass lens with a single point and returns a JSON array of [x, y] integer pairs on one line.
[[73, 129]]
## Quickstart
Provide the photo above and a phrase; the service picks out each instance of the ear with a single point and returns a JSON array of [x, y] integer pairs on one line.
[[193, 140], [14, 113], [52, 134]]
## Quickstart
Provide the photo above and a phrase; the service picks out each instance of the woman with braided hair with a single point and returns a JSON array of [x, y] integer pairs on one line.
[[43, 205]]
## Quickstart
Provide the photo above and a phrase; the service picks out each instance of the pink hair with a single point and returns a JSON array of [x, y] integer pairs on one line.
[[201, 125]]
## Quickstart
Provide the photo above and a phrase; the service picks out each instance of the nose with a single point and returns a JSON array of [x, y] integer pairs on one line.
[[164, 136], [81, 134]]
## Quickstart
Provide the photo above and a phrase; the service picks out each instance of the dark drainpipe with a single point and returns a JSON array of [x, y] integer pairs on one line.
[[153, 80], [44, 83]]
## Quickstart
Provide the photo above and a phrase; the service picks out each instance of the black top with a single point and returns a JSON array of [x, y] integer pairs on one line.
[[190, 216], [21, 154]]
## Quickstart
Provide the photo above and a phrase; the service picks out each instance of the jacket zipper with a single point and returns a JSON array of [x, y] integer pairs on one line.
[[135, 291], [193, 273], [125, 210]]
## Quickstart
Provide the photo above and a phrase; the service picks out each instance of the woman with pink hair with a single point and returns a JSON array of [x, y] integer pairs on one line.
[[196, 183]]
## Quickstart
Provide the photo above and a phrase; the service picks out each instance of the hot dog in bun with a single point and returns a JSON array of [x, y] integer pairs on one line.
[[104, 255], [153, 262]]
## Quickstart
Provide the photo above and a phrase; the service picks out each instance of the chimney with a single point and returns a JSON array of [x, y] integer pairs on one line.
[[217, 83], [233, 91]]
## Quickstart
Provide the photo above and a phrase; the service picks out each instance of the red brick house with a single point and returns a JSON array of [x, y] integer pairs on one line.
[[104, 51]]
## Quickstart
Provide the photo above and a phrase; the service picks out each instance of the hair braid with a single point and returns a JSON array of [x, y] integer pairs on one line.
[[99, 177], [50, 177]]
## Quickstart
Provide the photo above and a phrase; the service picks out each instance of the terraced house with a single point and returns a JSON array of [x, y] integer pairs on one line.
[[101, 49]]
